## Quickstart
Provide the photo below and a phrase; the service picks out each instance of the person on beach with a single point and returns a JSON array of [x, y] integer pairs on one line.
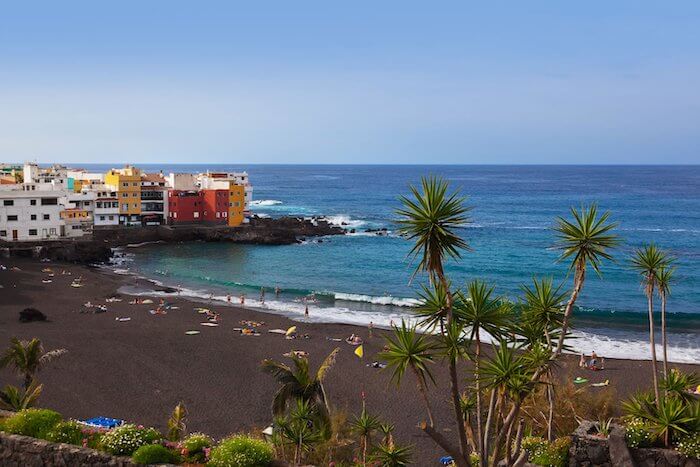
[[228, 298], [277, 291], [370, 327], [306, 309], [242, 299], [262, 295], [582, 361], [179, 289]]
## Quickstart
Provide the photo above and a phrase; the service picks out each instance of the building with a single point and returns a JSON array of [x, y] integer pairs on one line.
[[209, 207], [182, 181], [106, 211], [79, 178], [78, 214], [154, 199], [33, 211], [127, 184], [219, 180], [56, 175]]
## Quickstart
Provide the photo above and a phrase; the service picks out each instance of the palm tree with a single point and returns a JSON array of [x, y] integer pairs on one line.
[[648, 261], [409, 350], [299, 428], [481, 310], [431, 219], [364, 426], [392, 455], [663, 282], [586, 241], [16, 399], [300, 383], [543, 306], [387, 430], [27, 358]]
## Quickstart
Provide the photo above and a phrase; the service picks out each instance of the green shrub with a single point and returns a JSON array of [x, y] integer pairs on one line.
[[689, 445], [192, 447], [70, 432], [154, 454], [541, 452], [241, 451], [638, 434], [32, 422], [124, 440]]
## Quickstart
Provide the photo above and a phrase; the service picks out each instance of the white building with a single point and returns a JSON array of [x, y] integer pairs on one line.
[[182, 181], [34, 211], [154, 199], [56, 175], [106, 210]]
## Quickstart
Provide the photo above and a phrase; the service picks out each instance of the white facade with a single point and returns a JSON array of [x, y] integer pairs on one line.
[[106, 210], [183, 181], [56, 175], [30, 212]]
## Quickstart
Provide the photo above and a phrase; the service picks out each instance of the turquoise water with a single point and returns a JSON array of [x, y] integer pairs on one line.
[[363, 277]]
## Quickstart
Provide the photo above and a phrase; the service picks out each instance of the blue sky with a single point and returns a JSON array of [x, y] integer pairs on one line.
[[351, 82]]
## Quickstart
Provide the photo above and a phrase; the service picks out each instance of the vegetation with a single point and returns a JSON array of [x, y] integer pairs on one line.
[[36, 423], [195, 448], [154, 454], [69, 432], [27, 358], [125, 439], [176, 423], [16, 399], [542, 452], [241, 451]]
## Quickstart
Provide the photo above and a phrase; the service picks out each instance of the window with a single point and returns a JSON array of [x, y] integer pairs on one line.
[[218, 215], [134, 195], [125, 195], [125, 184], [76, 227], [47, 217], [136, 205], [49, 201], [99, 204], [111, 218], [3, 233], [33, 217], [32, 232], [102, 218], [11, 218], [125, 207], [52, 231], [32, 202], [134, 184], [87, 203], [8, 202], [196, 215]]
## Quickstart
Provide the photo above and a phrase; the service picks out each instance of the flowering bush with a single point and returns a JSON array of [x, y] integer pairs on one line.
[[154, 454], [689, 445], [195, 448], [638, 434], [544, 453], [241, 451], [32, 422], [124, 440], [70, 432]]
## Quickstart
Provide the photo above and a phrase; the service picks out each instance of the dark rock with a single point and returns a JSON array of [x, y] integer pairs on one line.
[[31, 314]]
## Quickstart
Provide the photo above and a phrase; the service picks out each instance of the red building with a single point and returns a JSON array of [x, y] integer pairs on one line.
[[198, 207]]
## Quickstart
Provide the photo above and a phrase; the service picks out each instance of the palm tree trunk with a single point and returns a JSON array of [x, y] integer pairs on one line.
[[487, 429], [470, 433], [652, 343], [550, 417], [424, 394], [579, 278], [27, 381], [479, 426], [663, 333]]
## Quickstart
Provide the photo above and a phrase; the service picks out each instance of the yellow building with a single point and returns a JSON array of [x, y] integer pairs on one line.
[[236, 204], [127, 183]]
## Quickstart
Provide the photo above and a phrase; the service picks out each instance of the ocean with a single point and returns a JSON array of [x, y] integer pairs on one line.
[[363, 277]]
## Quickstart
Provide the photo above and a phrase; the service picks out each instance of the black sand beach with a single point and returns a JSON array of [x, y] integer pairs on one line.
[[139, 369]]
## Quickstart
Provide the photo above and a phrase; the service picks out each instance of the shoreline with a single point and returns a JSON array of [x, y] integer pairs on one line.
[[591, 332], [139, 369]]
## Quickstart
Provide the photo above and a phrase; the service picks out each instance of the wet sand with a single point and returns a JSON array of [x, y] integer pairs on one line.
[[138, 370]]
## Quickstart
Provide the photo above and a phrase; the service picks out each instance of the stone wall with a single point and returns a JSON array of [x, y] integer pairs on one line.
[[19, 451], [588, 450]]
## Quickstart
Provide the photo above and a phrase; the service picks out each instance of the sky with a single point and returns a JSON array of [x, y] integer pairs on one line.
[[535, 82]]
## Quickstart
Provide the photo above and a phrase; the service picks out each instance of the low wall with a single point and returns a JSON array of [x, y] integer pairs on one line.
[[588, 450], [17, 451]]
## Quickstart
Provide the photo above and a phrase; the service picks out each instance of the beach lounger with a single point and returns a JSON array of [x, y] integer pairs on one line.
[[103, 422]]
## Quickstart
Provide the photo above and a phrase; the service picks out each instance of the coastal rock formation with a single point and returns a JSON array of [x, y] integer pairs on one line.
[[281, 231]]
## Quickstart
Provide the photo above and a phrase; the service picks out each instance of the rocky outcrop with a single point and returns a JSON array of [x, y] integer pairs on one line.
[[589, 450], [97, 248]]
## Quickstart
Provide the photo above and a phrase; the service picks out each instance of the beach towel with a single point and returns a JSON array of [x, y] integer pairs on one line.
[[123, 319], [191, 333], [213, 325], [147, 301], [46, 281], [600, 385], [277, 331], [579, 380]]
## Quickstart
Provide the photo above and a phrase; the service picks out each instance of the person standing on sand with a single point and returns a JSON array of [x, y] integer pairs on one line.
[[228, 298], [242, 299], [306, 309], [179, 289], [370, 327]]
